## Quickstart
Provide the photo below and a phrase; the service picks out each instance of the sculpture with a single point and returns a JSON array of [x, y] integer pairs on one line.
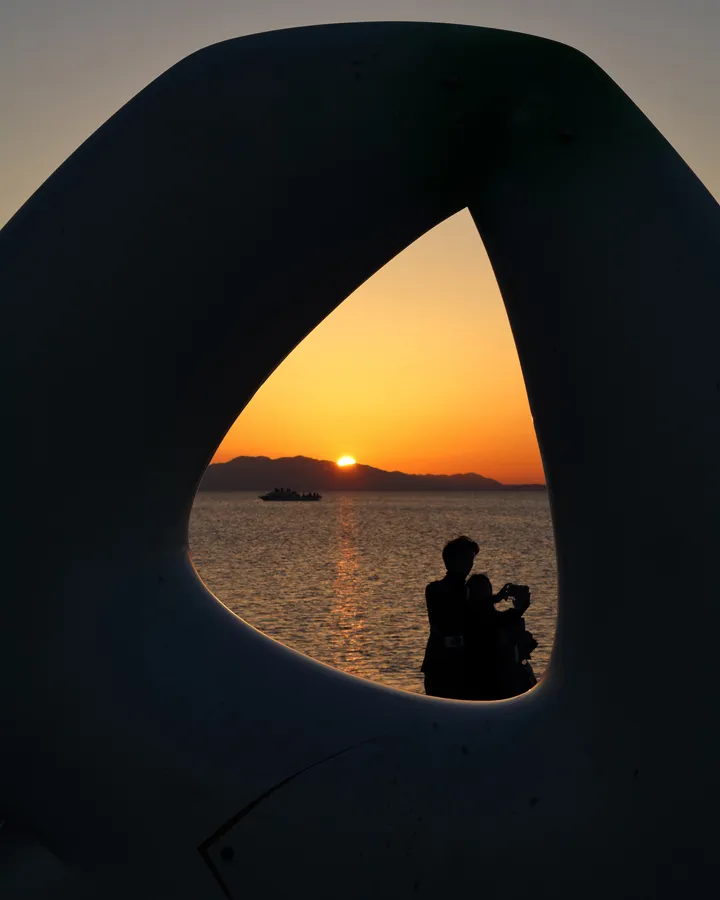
[[158, 746]]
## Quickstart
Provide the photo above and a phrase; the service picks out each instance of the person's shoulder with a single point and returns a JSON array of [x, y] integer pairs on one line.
[[435, 587]]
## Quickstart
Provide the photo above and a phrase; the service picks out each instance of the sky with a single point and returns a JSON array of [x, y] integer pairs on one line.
[[379, 378]]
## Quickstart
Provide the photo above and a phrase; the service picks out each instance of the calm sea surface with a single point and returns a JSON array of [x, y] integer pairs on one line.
[[343, 580]]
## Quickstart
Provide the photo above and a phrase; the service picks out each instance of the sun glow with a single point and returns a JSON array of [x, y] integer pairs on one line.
[[361, 379], [346, 461]]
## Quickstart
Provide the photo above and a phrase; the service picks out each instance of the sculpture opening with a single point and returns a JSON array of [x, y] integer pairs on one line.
[[415, 373]]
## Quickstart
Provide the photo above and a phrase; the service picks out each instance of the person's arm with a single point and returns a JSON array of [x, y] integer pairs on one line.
[[436, 607], [520, 596], [430, 604], [526, 644], [501, 595]]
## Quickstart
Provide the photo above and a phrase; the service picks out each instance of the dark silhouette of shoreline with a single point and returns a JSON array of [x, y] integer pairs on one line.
[[260, 473]]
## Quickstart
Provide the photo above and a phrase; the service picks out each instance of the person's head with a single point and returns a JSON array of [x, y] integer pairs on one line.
[[459, 555], [480, 588]]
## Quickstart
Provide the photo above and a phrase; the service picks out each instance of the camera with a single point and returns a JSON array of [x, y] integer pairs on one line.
[[515, 590], [518, 593]]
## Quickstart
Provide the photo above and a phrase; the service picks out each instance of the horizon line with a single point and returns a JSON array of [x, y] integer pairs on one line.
[[333, 462]]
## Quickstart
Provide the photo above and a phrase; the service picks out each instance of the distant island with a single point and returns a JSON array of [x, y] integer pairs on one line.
[[260, 473]]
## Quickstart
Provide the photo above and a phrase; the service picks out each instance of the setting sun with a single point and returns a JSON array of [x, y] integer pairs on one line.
[[346, 461]]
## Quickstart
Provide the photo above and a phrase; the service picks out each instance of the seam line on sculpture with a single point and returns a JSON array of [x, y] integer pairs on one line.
[[232, 822]]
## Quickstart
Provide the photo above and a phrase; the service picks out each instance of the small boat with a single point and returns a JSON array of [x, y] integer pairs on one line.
[[285, 494]]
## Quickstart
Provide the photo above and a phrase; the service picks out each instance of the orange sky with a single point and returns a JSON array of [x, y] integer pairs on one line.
[[417, 371]]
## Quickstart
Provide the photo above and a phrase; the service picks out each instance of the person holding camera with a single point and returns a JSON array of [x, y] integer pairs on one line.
[[497, 644]]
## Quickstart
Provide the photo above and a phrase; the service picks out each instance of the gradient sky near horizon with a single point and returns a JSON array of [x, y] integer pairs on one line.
[[378, 379]]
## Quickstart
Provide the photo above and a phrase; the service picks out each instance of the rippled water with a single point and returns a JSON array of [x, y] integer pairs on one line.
[[343, 580]]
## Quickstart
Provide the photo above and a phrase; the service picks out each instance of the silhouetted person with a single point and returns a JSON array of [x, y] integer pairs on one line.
[[497, 643], [444, 663]]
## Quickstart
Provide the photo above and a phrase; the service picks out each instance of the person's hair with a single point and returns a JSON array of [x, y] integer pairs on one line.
[[457, 547], [478, 580]]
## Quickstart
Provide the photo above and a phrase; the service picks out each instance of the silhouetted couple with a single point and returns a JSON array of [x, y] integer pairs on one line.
[[475, 652]]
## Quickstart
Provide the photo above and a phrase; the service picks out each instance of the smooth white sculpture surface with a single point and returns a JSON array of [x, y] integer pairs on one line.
[[154, 744]]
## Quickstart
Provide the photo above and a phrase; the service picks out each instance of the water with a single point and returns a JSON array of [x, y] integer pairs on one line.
[[343, 580]]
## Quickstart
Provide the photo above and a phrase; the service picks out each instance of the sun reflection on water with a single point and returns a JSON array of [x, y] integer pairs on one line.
[[347, 637], [344, 580]]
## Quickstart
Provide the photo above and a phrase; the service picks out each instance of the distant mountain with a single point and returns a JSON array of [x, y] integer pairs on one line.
[[260, 473]]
